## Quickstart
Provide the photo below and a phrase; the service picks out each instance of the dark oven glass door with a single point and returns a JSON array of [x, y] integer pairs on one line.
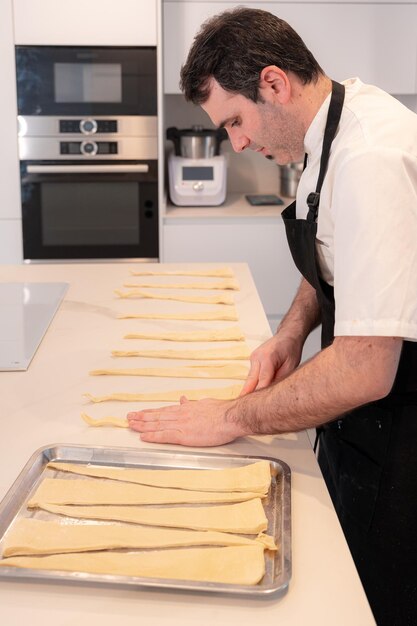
[[66, 80], [67, 215]]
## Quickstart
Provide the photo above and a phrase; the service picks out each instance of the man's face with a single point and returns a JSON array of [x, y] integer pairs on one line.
[[264, 127]]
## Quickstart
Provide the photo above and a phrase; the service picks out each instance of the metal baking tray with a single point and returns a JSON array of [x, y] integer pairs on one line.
[[277, 507]]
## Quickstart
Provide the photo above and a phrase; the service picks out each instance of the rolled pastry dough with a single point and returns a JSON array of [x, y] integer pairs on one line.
[[224, 284], [217, 299], [225, 334], [222, 393], [228, 370], [239, 565], [229, 315], [92, 491], [238, 351], [31, 536], [118, 422], [254, 477], [245, 517], [221, 272]]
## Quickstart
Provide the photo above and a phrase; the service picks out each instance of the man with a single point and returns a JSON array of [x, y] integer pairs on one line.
[[352, 233]]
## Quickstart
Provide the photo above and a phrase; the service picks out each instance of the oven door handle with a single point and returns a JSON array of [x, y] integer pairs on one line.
[[88, 169]]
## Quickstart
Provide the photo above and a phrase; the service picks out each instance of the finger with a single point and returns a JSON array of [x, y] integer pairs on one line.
[[135, 414], [286, 368], [153, 416], [164, 436], [266, 376], [149, 427], [252, 379]]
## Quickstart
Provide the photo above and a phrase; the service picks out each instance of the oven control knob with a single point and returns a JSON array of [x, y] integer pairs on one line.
[[88, 126], [198, 186], [89, 148]]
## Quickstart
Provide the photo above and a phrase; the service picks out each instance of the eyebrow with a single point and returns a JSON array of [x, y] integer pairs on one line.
[[224, 122]]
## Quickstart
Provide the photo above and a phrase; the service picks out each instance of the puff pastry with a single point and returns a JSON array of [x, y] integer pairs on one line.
[[217, 299], [245, 517], [239, 565], [225, 334], [229, 315], [228, 370], [32, 536], [222, 393], [117, 422], [92, 491], [254, 477], [238, 351]]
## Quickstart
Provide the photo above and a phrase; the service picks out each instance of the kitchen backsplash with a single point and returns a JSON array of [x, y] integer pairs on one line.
[[409, 100], [248, 172]]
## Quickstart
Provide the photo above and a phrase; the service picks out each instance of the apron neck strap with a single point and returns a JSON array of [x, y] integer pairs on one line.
[[333, 119]]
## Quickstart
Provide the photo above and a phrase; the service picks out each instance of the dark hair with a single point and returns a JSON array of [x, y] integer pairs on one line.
[[234, 46]]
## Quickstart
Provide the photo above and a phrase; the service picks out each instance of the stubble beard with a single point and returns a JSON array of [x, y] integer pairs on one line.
[[284, 136]]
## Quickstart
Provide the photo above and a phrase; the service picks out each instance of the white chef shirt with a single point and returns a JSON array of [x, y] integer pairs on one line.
[[367, 221]]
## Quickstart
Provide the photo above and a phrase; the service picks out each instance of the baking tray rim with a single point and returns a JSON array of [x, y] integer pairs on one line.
[[172, 584]]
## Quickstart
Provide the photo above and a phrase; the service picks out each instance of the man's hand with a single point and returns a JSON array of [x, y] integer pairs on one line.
[[204, 423], [272, 361]]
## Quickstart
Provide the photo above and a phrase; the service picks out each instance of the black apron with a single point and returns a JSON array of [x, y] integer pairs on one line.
[[368, 457]]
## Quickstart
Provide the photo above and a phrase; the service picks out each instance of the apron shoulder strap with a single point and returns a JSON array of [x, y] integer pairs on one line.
[[333, 119]]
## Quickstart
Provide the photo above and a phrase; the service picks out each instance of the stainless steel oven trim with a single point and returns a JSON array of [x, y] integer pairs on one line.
[[48, 125], [48, 148], [107, 260], [88, 169]]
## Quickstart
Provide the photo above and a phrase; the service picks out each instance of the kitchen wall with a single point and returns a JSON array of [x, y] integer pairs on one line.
[[409, 100], [248, 172], [387, 51], [372, 39]]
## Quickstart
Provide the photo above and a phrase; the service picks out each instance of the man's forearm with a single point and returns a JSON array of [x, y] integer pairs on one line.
[[303, 315], [351, 372]]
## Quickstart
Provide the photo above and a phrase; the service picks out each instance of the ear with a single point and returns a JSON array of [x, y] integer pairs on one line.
[[274, 84]]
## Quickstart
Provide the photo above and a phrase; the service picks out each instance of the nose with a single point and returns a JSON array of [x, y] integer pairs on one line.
[[239, 141]]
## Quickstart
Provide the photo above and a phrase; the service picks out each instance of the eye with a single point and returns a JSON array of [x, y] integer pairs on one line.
[[235, 123]]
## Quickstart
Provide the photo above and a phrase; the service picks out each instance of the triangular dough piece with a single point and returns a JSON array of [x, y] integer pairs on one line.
[[217, 299], [86, 491], [238, 565], [238, 351], [228, 370], [247, 517], [30, 536], [227, 314], [254, 477], [222, 393], [225, 334]]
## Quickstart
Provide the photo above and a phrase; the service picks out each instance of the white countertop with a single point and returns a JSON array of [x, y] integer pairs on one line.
[[42, 406], [235, 206]]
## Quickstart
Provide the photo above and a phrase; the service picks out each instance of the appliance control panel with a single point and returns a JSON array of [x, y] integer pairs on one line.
[[88, 147], [197, 182], [87, 126]]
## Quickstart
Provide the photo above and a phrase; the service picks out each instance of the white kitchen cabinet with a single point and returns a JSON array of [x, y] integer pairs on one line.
[[86, 22], [376, 41], [9, 160], [260, 242], [11, 246]]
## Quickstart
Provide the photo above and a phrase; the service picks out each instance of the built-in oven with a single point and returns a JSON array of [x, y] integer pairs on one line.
[[91, 210], [88, 152]]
